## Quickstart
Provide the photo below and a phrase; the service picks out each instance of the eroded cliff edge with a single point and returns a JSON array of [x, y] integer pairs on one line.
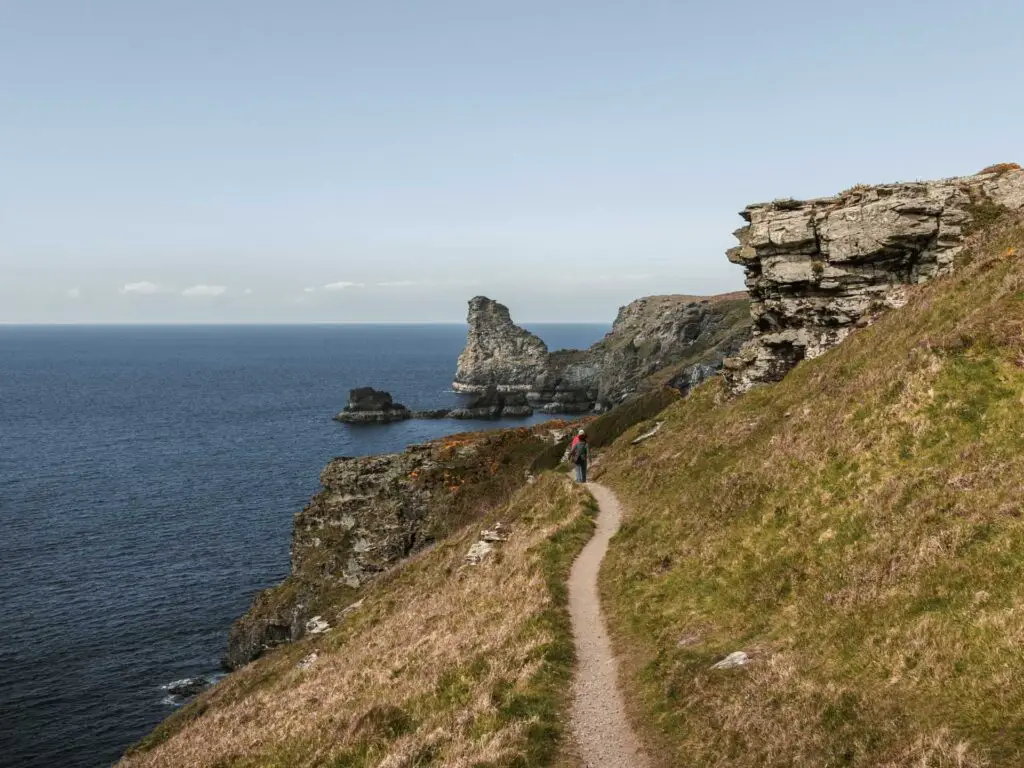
[[373, 512], [815, 269], [654, 341]]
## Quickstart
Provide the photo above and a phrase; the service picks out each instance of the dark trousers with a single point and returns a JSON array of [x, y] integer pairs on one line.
[[581, 472]]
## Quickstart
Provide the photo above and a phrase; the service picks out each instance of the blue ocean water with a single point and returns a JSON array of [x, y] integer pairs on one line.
[[148, 479]]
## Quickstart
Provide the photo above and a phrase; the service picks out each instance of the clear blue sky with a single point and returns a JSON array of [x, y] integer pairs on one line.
[[563, 157]]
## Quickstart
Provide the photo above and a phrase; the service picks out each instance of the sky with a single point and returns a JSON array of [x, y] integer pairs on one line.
[[256, 161]]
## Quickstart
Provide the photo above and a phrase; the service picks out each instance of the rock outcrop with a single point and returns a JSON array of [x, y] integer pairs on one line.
[[679, 340], [367, 405], [374, 511], [498, 353], [815, 269]]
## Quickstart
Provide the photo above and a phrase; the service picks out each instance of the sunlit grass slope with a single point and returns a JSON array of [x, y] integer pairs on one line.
[[443, 664], [856, 529]]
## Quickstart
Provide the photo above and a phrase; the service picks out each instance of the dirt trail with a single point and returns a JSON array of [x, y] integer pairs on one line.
[[599, 722]]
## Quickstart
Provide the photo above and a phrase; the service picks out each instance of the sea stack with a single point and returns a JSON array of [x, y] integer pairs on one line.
[[498, 352]]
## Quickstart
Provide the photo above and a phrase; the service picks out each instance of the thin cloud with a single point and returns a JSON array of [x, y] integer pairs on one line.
[[341, 285], [308, 290], [205, 290], [74, 293], [396, 284], [247, 292], [144, 288]]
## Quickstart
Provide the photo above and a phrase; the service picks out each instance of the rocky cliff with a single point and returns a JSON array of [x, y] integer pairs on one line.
[[658, 340], [374, 511], [815, 269]]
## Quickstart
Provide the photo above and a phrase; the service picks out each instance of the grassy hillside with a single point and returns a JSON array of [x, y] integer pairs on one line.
[[857, 529], [443, 664]]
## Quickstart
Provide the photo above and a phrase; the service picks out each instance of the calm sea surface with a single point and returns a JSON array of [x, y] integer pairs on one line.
[[148, 478]]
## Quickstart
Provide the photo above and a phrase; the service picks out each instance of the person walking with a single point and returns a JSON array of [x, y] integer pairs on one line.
[[580, 456]]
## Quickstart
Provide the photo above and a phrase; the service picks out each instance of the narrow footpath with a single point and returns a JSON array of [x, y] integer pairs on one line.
[[599, 723]]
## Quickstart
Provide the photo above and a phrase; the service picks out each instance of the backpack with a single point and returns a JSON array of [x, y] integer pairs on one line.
[[579, 453]]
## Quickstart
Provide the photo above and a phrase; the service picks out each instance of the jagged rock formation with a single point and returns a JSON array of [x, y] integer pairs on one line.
[[679, 340], [367, 405], [818, 268], [373, 512], [498, 353]]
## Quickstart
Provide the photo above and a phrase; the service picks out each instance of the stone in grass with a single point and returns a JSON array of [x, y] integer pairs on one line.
[[317, 626], [734, 659], [478, 552], [308, 661]]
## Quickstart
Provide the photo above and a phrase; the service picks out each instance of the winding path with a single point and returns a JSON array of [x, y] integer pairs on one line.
[[599, 723]]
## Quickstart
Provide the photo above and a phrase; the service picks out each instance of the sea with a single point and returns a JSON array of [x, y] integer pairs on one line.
[[148, 480]]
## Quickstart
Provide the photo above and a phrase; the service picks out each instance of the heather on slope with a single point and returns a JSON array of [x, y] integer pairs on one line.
[[443, 663], [857, 529]]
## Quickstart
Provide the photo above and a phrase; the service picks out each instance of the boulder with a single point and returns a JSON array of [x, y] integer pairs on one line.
[[367, 405], [188, 687]]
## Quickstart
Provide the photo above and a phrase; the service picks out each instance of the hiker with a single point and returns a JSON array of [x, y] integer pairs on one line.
[[579, 454]]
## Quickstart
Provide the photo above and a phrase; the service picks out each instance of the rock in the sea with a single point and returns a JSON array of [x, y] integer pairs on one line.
[[816, 269], [498, 353], [188, 687], [494, 404], [367, 405], [684, 337]]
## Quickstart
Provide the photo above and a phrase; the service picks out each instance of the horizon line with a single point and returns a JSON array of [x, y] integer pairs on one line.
[[183, 324]]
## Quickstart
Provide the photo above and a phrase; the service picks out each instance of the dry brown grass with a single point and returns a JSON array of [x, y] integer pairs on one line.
[[444, 664], [1000, 168], [858, 529]]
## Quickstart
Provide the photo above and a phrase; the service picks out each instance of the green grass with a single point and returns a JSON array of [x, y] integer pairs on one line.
[[857, 529]]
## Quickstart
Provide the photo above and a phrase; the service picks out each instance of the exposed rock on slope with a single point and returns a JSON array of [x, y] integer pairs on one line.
[[374, 511], [680, 340], [817, 268]]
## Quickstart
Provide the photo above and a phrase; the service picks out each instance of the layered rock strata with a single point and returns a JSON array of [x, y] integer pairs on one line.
[[815, 269], [681, 340]]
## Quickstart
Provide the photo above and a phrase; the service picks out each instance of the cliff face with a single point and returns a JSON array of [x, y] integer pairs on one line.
[[685, 338], [817, 268], [373, 512], [498, 352]]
